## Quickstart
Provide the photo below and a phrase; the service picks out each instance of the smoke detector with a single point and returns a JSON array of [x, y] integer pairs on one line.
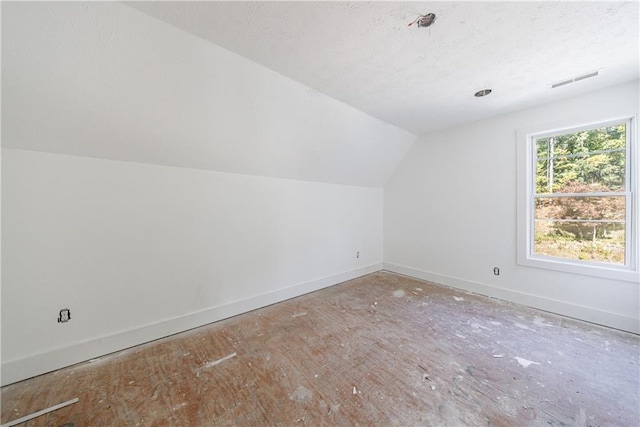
[[424, 20]]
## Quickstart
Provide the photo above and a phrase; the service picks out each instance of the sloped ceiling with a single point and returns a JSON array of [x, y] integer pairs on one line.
[[101, 79], [423, 79], [320, 91]]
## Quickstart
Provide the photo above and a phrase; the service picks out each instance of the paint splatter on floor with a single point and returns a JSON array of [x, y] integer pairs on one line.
[[525, 363], [399, 293], [304, 370], [301, 394]]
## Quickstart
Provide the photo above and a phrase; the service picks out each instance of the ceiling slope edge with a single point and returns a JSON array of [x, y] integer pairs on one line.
[[104, 80]]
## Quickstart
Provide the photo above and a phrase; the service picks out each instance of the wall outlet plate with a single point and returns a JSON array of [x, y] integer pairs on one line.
[[64, 316]]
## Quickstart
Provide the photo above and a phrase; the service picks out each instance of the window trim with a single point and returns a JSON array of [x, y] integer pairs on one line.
[[525, 194]]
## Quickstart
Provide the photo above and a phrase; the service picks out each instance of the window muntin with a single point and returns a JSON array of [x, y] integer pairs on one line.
[[580, 203]]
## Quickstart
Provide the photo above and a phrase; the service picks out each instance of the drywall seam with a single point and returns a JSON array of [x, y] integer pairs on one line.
[[20, 369], [563, 308]]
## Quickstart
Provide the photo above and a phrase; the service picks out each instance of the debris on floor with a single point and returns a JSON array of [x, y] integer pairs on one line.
[[525, 363], [399, 293], [301, 394], [40, 413], [216, 362]]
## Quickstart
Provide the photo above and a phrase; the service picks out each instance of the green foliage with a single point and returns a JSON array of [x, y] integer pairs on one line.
[[575, 163], [609, 250], [573, 159]]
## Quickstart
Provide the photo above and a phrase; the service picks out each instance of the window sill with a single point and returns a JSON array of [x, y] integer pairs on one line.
[[586, 269]]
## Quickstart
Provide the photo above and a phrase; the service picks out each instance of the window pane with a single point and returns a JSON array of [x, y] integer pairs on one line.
[[589, 173], [542, 177], [584, 241], [611, 208], [578, 195], [542, 147], [577, 163], [604, 138]]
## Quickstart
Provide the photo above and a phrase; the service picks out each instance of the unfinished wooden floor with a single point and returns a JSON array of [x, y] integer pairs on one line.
[[379, 350]]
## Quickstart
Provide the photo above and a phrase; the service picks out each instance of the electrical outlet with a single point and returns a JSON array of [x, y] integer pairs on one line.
[[496, 271], [358, 254], [64, 316]]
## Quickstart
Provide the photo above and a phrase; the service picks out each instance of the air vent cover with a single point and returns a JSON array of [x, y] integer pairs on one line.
[[574, 79]]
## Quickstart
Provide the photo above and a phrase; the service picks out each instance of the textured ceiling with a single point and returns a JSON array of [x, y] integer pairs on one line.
[[364, 54]]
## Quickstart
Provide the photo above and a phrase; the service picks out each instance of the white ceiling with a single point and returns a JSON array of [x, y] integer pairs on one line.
[[423, 79], [106, 80]]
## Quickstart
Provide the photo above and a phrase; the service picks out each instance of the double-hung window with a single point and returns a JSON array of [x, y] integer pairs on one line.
[[577, 211]]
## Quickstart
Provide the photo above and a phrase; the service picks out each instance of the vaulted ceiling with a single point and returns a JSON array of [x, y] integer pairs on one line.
[[321, 91], [101, 79], [422, 79]]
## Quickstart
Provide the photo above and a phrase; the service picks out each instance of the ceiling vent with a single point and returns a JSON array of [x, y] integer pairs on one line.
[[574, 79]]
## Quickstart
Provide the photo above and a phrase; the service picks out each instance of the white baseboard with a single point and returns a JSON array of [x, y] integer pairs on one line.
[[20, 369], [563, 308]]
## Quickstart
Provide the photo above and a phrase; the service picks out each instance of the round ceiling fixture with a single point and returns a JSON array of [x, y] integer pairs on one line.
[[483, 92]]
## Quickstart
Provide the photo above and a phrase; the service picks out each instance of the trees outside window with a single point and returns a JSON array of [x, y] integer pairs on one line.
[[579, 199]]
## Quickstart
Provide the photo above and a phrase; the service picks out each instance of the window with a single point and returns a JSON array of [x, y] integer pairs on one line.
[[576, 211]]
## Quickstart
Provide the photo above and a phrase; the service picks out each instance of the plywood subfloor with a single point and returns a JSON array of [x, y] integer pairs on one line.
[[379, 350]]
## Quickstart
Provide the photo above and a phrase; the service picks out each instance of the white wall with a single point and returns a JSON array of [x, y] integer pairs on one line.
[[450, 215], [208, 185], [138, 252], [101, 79]]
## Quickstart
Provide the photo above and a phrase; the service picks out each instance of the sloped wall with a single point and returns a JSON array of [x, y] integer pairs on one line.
[[153, 182], [101, 79]]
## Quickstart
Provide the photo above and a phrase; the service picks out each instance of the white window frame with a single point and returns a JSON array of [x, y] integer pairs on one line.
[[526, 157]]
